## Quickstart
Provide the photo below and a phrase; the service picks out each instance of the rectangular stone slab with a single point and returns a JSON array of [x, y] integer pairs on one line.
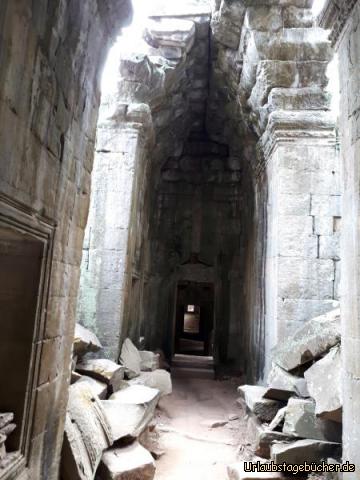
[[264, 408], [129, 463]]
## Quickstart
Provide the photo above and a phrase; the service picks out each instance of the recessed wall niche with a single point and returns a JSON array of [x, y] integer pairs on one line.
[[25, 247]]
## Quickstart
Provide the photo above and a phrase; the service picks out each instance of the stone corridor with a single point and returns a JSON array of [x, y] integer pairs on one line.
[[179, 237], [199, 429]]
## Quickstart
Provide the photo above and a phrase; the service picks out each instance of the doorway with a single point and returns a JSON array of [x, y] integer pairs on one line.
[[194, 319], [21, 260]]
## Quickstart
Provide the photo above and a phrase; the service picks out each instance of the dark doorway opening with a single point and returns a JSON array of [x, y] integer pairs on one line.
[[194, 319], [21, 259]]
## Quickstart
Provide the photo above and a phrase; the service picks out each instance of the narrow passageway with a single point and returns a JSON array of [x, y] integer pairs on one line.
[[200, 425]]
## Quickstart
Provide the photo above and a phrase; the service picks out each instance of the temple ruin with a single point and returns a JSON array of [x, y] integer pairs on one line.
[[179, 253]]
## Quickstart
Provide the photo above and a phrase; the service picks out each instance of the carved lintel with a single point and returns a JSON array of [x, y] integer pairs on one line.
[[334, 16]]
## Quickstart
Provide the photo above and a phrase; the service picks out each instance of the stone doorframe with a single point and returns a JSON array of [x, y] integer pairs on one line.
[[21, 219]]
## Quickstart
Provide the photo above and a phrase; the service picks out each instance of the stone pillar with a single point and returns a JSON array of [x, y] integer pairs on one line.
[[110, 238], [303, 215], [343, 17]]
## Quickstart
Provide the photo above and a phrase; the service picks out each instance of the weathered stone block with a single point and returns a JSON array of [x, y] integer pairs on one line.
[[324, 380], [261, 438], [264, 408], [2, 446], [129, 419], [127, 463], [301, 421], [99, 388], [85, 341], [150, 361], [306, 98], [158, 379], [285, 74], [316, 337], [103, 370], [130, 358], [296, 238], [305, 451], [5, 419], [264, 18], [295, 17], [279, 378], [136, 68], [302, 278], [173, 36]]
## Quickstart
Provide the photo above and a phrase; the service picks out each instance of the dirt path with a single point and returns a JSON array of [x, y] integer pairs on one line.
[[195, 448]]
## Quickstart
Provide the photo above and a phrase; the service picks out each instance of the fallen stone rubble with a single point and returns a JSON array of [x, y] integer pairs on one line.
[[297, 416], [110, 410], [7, 427]]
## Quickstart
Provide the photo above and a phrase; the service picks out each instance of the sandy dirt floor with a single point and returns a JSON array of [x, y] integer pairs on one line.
[[199, 427]]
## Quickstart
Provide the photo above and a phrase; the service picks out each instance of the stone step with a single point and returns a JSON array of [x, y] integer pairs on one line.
[[193, 372], [192, 361]]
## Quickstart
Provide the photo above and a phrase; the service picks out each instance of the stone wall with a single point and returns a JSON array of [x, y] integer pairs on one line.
[[51, 57], [161, 98], [304, 214], [268, 87], [344, 19], [252, 79]]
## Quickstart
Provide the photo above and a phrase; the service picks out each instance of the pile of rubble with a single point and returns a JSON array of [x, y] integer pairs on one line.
[[297, 417], [109, 412], [7, 426]]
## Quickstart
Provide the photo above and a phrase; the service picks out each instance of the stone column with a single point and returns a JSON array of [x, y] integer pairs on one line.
[[343, 17], [110, 238], [303, 214]]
